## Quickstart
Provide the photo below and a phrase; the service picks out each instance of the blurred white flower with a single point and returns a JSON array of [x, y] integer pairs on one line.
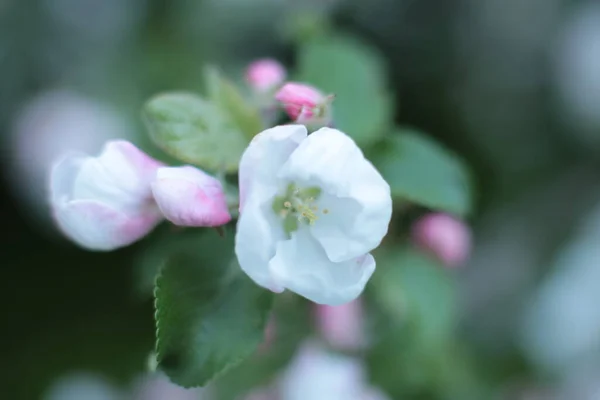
[[578, 70], [81, 386], [105, 202], [51, 125], [311, 209], [318, 375], [158, 387], [561, 325], [188, 196]]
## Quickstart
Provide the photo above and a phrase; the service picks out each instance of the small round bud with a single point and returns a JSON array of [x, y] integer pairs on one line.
[[446, 237], [265, 74]]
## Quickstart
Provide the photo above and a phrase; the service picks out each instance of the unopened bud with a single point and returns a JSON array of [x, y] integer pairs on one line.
[[303, 103], [446, 237], [265, 74]]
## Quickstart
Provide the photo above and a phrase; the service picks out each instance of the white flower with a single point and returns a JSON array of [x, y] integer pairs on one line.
[[188, 196], [311, 209], [318, 375], [105, 202]]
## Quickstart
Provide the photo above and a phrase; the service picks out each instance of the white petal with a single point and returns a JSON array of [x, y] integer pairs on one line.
[[356, 196], [257, 234], [188, 196], [302, 266], [265, 155], [63, 175], [96, 226], [119, 177]]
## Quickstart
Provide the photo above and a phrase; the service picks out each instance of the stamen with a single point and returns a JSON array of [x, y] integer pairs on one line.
[[297, 205]]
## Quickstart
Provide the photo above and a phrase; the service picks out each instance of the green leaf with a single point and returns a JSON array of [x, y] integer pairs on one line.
[[354, 72], [195, 131], [422, 171], [414, 291], [209, 315], [229, 99]]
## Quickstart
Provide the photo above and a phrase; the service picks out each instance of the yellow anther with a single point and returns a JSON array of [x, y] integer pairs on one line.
[[287, 204]]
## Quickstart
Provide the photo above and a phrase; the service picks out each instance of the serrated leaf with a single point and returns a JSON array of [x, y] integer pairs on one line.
[[423, 172], [194, 130], [355, 74], [210, 316], [229, 99]]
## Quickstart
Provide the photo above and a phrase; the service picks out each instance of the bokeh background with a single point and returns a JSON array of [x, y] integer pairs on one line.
[[511, 86]]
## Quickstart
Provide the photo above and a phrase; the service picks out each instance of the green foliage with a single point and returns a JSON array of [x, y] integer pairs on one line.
[[209, 315], [415, 353], [423, 172], [228, 98], [194, 130], [354, 72], [417, 293]]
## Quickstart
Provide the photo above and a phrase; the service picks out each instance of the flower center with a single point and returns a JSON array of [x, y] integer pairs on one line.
[[297, 206]]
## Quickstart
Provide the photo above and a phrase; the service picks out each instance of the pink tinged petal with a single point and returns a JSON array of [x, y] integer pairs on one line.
[[446, 237], [301, 265], [96, 226], [120, 176], [342, 326], [265, 155], [104, 203], [264, 75], [357, 198], [188, 196], [297, 96]]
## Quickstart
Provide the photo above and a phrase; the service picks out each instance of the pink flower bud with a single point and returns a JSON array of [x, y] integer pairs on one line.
[[300, 101], [341, 326], [105, 202], [446, 237], [188, 196], [266, 74]]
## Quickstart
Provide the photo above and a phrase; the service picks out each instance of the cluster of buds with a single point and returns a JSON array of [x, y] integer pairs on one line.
[[115, 199], [303, 103]]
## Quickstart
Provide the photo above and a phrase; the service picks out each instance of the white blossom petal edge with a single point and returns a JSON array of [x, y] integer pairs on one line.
[[311, 209], [105, 202]]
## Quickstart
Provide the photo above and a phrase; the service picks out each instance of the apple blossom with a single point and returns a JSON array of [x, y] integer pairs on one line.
[[318, 375], [341, 326], [445, 236], [105, 202], [303, 103], [265, 74], [311, 209], [188, 196]]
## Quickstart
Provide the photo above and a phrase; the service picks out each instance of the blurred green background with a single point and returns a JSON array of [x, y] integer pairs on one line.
[[511, 86]]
